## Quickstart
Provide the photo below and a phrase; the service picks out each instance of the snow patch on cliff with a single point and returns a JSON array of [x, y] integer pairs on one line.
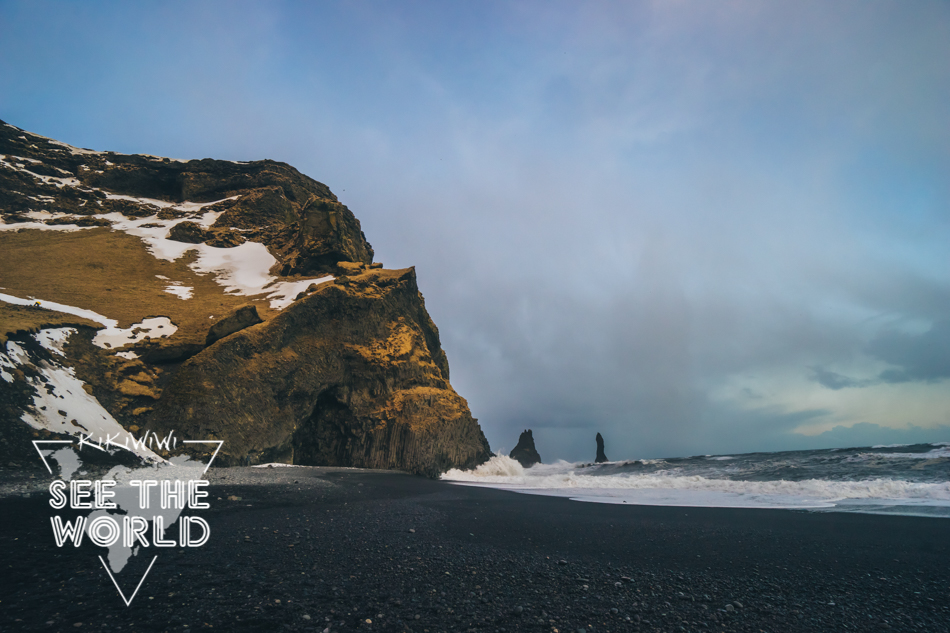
[[61, 404]]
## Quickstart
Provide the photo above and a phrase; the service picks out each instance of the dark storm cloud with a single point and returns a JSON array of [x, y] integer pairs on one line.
[[834, 380], [921, 357]]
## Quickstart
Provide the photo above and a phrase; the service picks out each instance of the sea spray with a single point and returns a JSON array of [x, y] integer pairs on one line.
[[497, 466], [894, 479]]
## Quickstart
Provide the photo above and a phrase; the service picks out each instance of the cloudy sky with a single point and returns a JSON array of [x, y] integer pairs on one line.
[[696, 227]]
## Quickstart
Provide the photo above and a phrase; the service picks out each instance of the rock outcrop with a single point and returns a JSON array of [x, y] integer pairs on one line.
[[207, 306], [299, 219], [241, 317], [350, 375], [601, 457], [525, 453]]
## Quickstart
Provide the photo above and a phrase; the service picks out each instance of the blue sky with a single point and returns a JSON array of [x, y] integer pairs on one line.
[[696, 227]]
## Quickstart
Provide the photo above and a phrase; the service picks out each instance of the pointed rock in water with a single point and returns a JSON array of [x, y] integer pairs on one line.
[[525, 453], [600, 450]]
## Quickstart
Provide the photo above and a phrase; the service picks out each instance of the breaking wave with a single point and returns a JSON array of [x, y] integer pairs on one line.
[[910, 479], [499, 466]]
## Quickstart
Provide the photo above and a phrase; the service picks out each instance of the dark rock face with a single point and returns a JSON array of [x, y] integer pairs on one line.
[[239, 318], [192, 233], [525, 453], [79, 221], [188, 232], [299, 219], [350, 375], [224, 238], [601, 457]]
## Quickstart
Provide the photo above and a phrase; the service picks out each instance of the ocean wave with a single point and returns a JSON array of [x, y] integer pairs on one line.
[[499, 466], [936, 453], [821, 490]]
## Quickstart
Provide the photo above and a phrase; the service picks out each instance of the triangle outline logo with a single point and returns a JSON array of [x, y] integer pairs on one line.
[[42, 456], [128, 601]]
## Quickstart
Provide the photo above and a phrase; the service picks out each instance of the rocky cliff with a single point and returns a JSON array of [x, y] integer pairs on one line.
[[349, 375], [218, 300], [299, 219]]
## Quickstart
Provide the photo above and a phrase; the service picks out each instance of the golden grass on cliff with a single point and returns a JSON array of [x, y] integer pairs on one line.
[[111, 273], [16, 319]]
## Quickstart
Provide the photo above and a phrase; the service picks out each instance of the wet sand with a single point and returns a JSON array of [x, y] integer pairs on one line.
[[310, 549]]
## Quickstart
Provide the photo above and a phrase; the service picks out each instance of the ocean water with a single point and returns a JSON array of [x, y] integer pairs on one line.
[[901, 479]]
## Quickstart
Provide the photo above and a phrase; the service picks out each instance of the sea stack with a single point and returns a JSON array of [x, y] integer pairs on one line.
[[600, 450], [525, 452]]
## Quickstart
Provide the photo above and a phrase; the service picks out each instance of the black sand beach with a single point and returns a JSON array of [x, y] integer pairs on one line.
[[310, 549]]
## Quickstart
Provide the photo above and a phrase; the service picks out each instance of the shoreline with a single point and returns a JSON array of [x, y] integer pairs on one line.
[[666, 498], [343, 546]]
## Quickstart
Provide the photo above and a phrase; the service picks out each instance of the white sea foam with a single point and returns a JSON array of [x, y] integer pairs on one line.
[[936, 453], [498, 467], [685, 498], [932, 454], [673, 487]]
